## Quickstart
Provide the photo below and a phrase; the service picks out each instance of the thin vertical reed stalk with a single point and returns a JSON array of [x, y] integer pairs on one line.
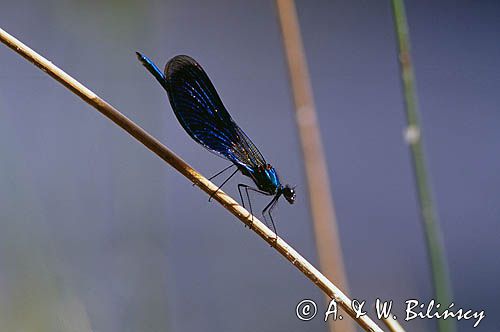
[[328, 245], [192, 175], [435, 248]]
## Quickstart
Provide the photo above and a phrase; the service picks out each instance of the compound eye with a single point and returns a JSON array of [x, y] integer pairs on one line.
[[289, 194]]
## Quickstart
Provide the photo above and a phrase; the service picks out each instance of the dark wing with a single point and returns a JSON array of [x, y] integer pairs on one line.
[[201, 113]]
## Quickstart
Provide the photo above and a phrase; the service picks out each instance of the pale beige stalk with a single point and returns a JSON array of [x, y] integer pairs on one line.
[[321, 200], [324, 219]]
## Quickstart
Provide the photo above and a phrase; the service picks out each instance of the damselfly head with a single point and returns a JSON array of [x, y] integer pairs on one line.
[[289, 194]]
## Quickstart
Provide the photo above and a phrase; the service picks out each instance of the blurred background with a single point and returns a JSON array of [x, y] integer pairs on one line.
[[98, 234]]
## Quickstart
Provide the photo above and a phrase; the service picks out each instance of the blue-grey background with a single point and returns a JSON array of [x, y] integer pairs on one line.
[[98, 234]]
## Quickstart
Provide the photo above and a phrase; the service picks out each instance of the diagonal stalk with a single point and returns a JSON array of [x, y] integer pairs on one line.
[[192, 175]]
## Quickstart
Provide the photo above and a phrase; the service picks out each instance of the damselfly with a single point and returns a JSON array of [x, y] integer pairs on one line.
[[201, 113]]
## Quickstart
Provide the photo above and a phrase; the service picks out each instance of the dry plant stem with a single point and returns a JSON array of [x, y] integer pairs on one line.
[[393, 325], [321, 201], [164, 153], [435, 248]]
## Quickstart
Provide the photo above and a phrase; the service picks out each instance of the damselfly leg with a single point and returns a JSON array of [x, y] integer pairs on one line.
[[246, 187], [218, 173], [269, 207], [223, 183]]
